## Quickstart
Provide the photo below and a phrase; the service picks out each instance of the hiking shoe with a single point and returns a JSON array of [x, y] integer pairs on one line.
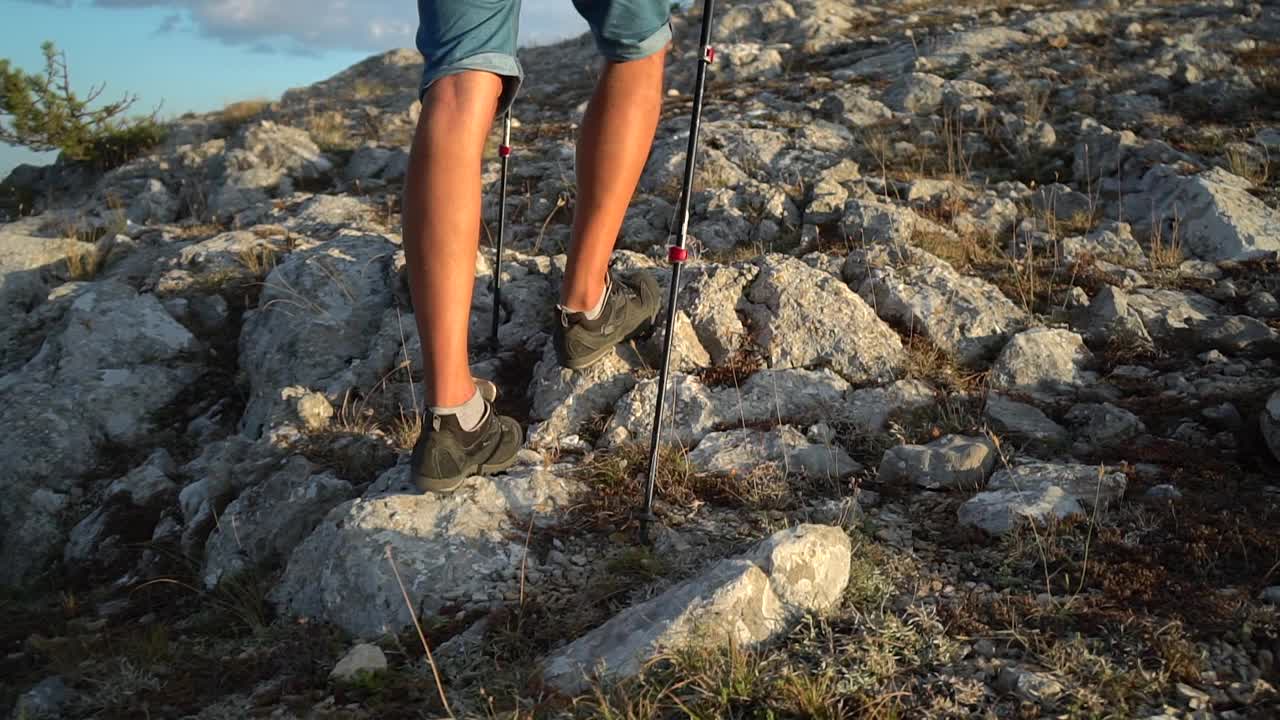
[[445, 454], [630, 305], [486, 388]]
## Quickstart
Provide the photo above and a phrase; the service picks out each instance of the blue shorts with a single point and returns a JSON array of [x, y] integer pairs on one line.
[[457, 35]]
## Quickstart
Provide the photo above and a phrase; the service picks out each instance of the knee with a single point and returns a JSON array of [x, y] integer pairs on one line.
[[470, 94]]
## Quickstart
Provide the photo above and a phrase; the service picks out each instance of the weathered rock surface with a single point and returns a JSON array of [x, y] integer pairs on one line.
[[28, 265], [1216, 217], [262, 160], [787, 396], [1171, 316], [456, 546], [317, 314], [263, 524], [130, 509], [1023, 422], [744, 600], [115, 359], [564, 400], [1036, 491], [362, 658], [966, 316], [783, 450], [954, 461], [1104, 425], [805, 318], [1269, 423], [715, 295], [1043, 361]]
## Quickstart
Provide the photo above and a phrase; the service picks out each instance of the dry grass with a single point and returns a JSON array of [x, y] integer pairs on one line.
[[617, 478], [1264, 56], [198, 231], [238, 113], [329, 130], [86, 262], [1242, 163], [405, 430], [964, 251], [258, 260], [367, 88], [1035, 101], [930, 363], [1165, 253]]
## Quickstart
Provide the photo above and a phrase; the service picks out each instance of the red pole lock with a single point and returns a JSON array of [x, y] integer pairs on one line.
[[677, 254], [711, 54], [504, 150]]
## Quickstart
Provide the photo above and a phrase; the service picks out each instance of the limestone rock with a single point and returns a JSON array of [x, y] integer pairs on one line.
[[317, 314], [28, 264], [1238, 335], [1108, 319], [693, 409], [1269, 422], [1023, 422], [1104, 425], [869, 409], [1043, 361], [1034, 687], [1036, 490], [457, 545], [1111, 242], [966, 316], [564, 400], [361, 658], [1217, 218], [714, 295], [231, 252], [687, 354], [954, 461], [130, 509], [806, 317], [916, 93], [742, 61], [114, 359], [261, 160], [874, 221], [1170, 316], [265, 522], [744, 600], [782, 450]]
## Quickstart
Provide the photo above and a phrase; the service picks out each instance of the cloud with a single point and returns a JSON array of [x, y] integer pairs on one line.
[[314, 26]]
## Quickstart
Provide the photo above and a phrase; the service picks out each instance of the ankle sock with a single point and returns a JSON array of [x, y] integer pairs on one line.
[[469, 413], [594, 313]]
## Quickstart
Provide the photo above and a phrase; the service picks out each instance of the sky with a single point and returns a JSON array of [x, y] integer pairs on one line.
[[199, 55]]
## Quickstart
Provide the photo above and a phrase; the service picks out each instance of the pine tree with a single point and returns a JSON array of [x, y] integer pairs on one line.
[[42, 112]]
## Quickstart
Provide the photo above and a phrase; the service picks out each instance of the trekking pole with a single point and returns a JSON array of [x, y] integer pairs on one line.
[[505, 151], [677, 254]]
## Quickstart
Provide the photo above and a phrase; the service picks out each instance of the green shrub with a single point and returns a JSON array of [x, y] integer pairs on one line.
[[42, 113]]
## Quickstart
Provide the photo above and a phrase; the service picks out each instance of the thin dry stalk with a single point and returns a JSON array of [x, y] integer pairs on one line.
[[524, 559], [435, 672]]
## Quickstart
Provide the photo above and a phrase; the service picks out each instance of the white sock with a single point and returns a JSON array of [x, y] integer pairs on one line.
[[594, 312], [469, 413]]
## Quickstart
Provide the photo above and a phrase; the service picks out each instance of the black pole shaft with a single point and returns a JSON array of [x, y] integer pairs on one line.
[[677, 259], [505, 151]]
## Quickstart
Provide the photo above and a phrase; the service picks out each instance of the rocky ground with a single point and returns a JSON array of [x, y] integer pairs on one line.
[[976, 404]]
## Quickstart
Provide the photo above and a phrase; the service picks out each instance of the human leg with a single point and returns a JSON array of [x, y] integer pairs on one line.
[[470, 73]]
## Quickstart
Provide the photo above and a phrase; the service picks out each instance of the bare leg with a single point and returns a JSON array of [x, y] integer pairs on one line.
[[612, 148], [442, 224]]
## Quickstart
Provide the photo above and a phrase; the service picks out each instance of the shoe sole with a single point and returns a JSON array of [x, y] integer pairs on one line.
[[448, 485]]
